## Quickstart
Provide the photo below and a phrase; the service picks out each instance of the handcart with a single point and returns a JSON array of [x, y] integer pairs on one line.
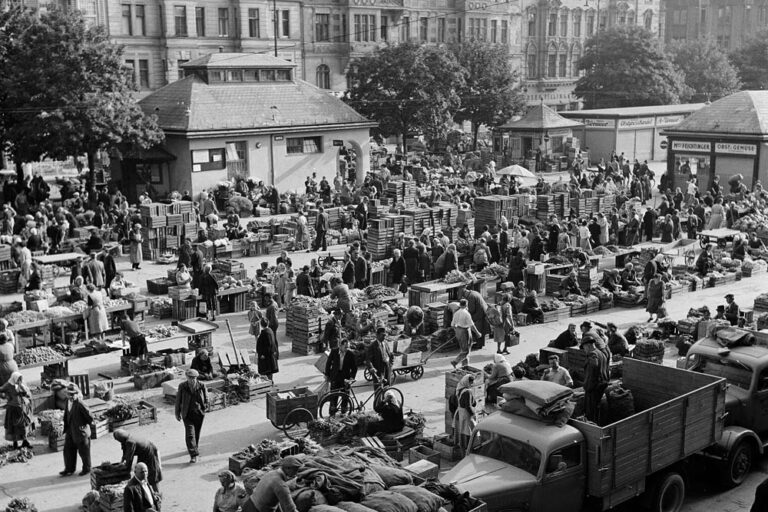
[[416, 370]]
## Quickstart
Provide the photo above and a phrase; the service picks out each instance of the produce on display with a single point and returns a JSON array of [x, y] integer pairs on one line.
[[24, 317], [78, 307], [110, 303], [20, 505], [59, 311], [37, 355], [121, 411], [10, 455], [493, 271], [456, 276], [552, 305], [34, 295]]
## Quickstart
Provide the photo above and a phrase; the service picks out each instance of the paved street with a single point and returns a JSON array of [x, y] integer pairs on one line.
[[191, 487]]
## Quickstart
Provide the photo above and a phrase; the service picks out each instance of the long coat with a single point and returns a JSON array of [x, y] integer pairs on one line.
[[476, 306], [267, 352], [135, 251], [145, 451], [97, 314]]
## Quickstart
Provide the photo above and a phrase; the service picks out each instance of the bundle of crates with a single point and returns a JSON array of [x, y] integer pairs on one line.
[[604, 204], [381, 233], [9, 280], [490, 209], [304, 326], [545, 206], [402, 193], [232, 268], [435, 316]]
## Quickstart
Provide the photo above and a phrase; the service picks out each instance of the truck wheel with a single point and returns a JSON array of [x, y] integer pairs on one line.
[[668, 494], [738, 465]]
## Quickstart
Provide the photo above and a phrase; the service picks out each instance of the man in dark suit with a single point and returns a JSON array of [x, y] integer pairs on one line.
[[361, 214], [340, 369], [191, 403], [321, 227], [139, 495], [197, 261], [361, 270], [379, 359], [304, 283], [77, 431]]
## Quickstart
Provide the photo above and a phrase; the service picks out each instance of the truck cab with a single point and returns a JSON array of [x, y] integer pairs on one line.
[[515, 463], [745, 368]]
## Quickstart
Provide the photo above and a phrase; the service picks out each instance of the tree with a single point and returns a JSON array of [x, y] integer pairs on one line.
[[407, 88], [491, 93], [751, 62], [64, 89], [625, 68], [708, 73]]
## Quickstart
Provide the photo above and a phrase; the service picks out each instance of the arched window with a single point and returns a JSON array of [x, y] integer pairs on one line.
[[531, 22], [530, 62], [630, 17], [552, 62], [323, 76], [648, 20], [563, 23], [576, 15], [575, 57]]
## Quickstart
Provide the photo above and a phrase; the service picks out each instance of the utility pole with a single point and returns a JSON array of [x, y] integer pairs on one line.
[[277, 23]]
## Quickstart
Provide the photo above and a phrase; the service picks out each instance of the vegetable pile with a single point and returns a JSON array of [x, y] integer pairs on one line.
[[121, 411], [379, 291], [24, 317], [456, 276], [36, 355]]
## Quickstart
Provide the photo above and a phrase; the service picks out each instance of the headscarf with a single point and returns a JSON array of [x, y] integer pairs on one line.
[[230, 477], [499, 359], [391, 396], [14, 379], [659, 258], [464, 383]]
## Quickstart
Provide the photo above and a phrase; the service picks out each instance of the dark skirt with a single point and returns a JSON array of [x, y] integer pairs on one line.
[[17, 422]]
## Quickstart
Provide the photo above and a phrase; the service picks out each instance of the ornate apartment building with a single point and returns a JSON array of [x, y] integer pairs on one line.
[[545, 38], [729, 23]]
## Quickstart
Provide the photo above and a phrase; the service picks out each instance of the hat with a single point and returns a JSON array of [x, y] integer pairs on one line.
[[729, 296], [192, 373], [381, 329], [290, 462]]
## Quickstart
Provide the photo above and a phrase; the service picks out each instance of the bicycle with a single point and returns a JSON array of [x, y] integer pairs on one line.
[[346, 400]]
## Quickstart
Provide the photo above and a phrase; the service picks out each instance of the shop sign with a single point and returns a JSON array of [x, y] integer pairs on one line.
[[685, 145], [639, 122], [732, 148], [669, 120], [559, 132], [600, 123]]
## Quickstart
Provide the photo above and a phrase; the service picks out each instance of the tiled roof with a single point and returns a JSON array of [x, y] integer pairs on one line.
[[192, 105], [541, 117], [742, 113], [238, 60], [634, 111]]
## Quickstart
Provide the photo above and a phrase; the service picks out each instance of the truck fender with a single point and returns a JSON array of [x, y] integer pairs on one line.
[[732, 436]]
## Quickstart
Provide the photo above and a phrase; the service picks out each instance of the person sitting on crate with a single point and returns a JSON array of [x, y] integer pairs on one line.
[[340, 370], [532, 308], [391, 413], [629, 277], [202, 363], [570, 285], [565, 339], [499, 373], [144, 451], [617, 342], [705, 263], [556, 373]]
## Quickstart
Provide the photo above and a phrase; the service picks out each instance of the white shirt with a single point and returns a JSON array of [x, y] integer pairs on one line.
[[462, 318], [148, 493], [560, 376]]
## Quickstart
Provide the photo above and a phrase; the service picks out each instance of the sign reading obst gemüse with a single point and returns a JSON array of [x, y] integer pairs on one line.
[[733, 148]]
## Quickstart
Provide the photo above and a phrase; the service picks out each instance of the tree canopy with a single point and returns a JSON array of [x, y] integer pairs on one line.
[[491, 94], [708, 72], [407, 88], [625, 67], [64, 89], [751, 62]]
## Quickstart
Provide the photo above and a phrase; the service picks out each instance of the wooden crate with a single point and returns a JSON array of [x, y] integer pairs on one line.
[[55, 441], [129, 423], [158, 286], [278, 407], [444, 446], [424, 468], [248, 391], [418, 453], [147, 412], [99, 428]]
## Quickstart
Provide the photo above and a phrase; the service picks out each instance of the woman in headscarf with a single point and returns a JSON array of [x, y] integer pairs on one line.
[[464, 419], [97, 313], [231, 496], [500, 374], [254, 320], [135, 252], [391, 413], [78, 290], [655, 296], [266, 351], [18, 410], [9, 336]]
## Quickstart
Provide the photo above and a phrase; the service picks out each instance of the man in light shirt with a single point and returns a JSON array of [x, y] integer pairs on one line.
[[556, 373], [465, 328]]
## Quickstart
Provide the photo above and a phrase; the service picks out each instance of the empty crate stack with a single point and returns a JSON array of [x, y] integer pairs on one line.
[[381, 233], [403, 193], [304, 325]]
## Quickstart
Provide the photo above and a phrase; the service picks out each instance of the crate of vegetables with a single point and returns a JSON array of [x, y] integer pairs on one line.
[[147, 412]]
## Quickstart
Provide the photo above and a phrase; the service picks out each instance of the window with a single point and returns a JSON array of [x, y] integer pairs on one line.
[[471, 28], [423, 29], [372, 28], [215, 76], [285, 23], [575, 64], [531, 65], [180, 20], [484, 33], [577, 24], [283, 75], [235, 75], [590, 24], [459, 31], [603, 21], [384, 28], [648, 21], [563, 24], [358, 28], [141, 21], [323, 76], [631, 18], [254, 23], [322, 27], [704, 16], [344, 29], [200, 21], [131, 69], [126, 25], [251, 75], [531, 24], [223, 21], [621, 18], [562, 63], [494, 31], [405, 28], [505, 449], [267, 75], [564, 459], [144, 74], [552, 64], [504, 32], [179, 63], [298, 145], [552, 27], [440, 30], [723, 42], [209, 159]]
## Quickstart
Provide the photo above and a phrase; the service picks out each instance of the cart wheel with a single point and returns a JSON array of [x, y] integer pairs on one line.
[[296, 424], [367, 374], [417, 372], [703, 241], [722, 243], [690, 258]]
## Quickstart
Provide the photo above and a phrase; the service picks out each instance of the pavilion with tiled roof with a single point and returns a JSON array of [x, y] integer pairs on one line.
[[248, 115]]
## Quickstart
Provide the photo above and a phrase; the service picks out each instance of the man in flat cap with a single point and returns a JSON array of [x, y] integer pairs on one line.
[[272, 490], [731, 309], [191, 403]]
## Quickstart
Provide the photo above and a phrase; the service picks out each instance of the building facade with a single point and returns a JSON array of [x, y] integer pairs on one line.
[[554, 35], [729, 24]]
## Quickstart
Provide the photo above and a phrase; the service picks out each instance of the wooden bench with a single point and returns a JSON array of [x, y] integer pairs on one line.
[[406, 437], [372, 442]]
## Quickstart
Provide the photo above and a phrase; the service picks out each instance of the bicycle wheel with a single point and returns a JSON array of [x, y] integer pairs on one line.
[[296, 424], [335, 400]]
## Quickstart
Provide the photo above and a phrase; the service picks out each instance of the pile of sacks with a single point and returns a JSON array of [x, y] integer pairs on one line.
[[540, 400]]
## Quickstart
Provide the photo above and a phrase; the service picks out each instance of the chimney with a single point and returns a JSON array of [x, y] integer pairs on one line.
[[221, 49]]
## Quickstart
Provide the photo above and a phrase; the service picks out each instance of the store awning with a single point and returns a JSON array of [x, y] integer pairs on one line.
[[153, 155], [539, 118]]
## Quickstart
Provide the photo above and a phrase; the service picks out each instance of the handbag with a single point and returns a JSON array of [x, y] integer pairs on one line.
[[202, 308], [511, 339]]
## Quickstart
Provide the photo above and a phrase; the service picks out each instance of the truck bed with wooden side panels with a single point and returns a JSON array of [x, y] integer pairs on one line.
[[679, 413]]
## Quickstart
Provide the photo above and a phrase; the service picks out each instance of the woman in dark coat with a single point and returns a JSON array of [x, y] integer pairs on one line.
[[110, 268], [655, 296], [649, 218], [208, 289], [267, 352], [667, 229], [516, 267]]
